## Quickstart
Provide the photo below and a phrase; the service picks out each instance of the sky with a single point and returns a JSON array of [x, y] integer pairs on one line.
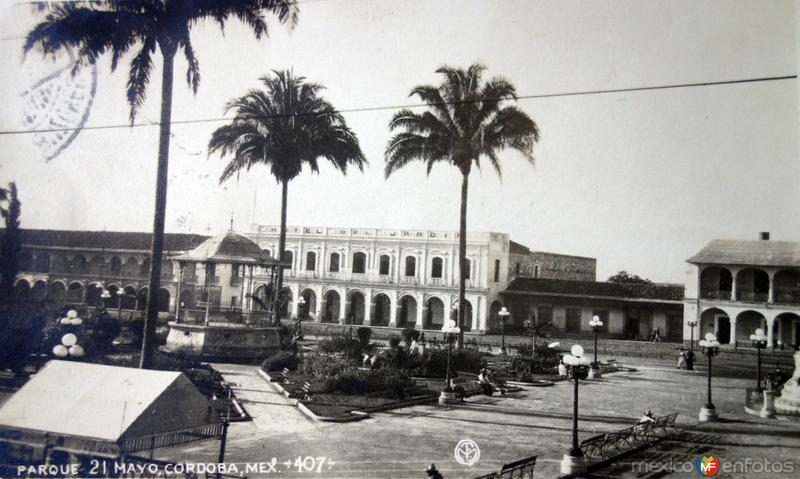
[[639, 180]]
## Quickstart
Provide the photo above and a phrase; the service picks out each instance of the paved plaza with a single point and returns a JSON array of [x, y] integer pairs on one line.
[[401, 443]]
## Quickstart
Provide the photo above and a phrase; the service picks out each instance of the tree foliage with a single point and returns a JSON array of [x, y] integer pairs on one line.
[[625, 277], [10, 208], [467, 120]]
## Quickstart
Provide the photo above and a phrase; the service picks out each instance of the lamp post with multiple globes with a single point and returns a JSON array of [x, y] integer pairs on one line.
[[690, 356], [596, 325], [503, 314], [574, 463], [301, 302], [710, 347], [450, 330]]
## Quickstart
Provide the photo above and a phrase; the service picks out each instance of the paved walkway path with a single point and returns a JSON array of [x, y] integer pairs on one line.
[[401, 443]]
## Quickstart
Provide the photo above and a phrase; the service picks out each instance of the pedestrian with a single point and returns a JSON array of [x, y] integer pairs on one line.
[[682, 359], [414, 348], [562, 369], [433, 472]]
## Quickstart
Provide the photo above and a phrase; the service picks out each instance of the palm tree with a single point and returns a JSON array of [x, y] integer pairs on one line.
[[283, 127], [98, 27], [466, 120]]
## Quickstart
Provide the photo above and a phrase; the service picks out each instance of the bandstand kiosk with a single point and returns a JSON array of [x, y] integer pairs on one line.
[[240, 328]]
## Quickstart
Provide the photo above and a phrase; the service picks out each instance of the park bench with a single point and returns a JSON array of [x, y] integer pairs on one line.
[[608, 445], [521, 469]]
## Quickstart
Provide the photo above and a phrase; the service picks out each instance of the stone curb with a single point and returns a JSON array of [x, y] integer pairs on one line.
[[354, 415]]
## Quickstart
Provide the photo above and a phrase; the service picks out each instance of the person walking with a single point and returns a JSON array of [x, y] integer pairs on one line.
[[433, 472]]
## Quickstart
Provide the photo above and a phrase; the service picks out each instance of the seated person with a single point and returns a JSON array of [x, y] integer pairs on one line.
[[647, 417], [483, 380]]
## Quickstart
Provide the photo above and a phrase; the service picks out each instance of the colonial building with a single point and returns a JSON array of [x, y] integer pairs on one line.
[[74, 267], [382, 277], [392, 277], [736, 286], [628, 311]]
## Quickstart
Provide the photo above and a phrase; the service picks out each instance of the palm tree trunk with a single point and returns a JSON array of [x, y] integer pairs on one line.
[[462, 258], [157, 247], [281, 246]]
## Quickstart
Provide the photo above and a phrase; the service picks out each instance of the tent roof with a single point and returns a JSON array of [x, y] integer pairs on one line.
[[107, 403], [232, 248]]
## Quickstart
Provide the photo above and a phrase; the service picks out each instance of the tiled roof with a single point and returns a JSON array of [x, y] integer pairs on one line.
[[667, 292], [233, 248], [106, 239], [757, 253]]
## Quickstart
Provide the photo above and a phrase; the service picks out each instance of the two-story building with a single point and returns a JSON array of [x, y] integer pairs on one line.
[[737, 286], [392, 277]]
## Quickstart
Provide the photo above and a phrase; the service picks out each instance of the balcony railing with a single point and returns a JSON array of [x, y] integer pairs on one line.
[[437, 282], [726, 295], [409, 280], [751, 296], [307, 274], [787, 298]]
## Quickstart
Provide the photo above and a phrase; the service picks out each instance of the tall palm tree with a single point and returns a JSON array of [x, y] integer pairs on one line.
[[283, 127], [465, 121], [97, 27]]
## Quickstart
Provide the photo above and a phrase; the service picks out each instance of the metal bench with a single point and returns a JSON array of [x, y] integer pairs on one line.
[[605, 446], [522, 469]]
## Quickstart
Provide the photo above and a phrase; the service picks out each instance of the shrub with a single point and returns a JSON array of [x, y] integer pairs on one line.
[[351, 349], [409, 335], [321, 366], [544, 361], [435, 363], [358, 381], [364, 335], [280, 361], [104, 329], [394, 341]]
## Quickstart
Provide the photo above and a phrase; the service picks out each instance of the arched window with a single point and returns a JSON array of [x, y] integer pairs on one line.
[[411, 266], [437, 267], [25, 261], [334, 267], [311, 261], [145, 268], [115, 265], [42, 263], [79, 264], [467, 269], [383, 267], [359, 263], [288, 257]]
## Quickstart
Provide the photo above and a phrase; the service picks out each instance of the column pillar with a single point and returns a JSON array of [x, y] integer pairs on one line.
[[421, 310], [323, 308], [770, 334], [370, 306], [393, 307], [732, 339], [344, 312], [734, 272], [295, 296], [770, 298], [780, 333]]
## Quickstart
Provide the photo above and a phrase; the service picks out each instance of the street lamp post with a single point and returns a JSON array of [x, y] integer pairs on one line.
[[301, 302], [503, 314], [690, 356], [596, 325], [450, 330], [710, 347], [574, 463], [759, 342]]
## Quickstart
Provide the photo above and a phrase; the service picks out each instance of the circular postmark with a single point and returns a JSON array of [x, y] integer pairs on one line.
[[467, 452]]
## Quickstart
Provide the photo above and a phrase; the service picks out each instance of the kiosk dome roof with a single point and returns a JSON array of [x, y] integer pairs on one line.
[[232, 247]]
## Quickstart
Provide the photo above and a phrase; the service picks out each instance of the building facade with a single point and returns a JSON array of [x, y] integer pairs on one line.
[[736, 286], [73, 267], [381, 277], [524, 263], [391, 277], [628, 311]]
